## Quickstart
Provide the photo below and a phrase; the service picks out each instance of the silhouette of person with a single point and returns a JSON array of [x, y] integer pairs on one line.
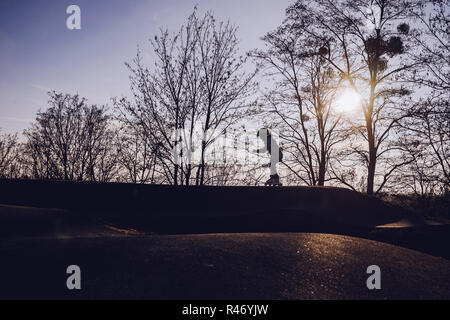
[[270, 146]]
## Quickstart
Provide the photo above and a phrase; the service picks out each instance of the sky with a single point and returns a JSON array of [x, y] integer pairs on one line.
[[39, 53]]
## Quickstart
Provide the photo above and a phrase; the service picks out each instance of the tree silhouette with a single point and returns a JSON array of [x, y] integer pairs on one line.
[[70, 141], [367, 50], [198, 82], [301, 98]]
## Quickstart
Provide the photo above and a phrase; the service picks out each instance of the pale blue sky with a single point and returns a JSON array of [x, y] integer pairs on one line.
[[38, 52]]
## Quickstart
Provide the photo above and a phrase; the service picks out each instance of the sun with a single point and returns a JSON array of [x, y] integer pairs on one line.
[[347, 100]]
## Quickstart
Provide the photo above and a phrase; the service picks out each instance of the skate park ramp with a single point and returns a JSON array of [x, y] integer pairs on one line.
[[178, 207]]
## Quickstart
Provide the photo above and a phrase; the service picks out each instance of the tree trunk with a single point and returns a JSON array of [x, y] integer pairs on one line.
[[202, 165], [369, 118], [371, 173], [322, 168], [372, 158]]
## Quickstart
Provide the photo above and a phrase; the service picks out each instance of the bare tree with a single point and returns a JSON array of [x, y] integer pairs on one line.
[[9, 157], [302, 102], [70, 141], [430, 124], [430, 127], [101, 151], [198, 82], [137, 156], [369, 39], [435, 44], [224, 83]]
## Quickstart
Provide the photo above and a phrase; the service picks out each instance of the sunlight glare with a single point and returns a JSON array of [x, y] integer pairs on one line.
[[348, 100]]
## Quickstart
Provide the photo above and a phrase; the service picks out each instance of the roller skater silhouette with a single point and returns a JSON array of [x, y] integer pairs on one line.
[[271, 146]]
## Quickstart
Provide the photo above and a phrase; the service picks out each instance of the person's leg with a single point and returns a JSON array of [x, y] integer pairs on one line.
[[273, 164]]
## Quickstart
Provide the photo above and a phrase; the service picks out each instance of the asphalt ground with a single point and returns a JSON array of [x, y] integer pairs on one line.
[[218, 266]]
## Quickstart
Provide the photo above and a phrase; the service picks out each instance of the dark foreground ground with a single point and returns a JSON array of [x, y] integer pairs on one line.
[[314, 243], [219, 266]]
